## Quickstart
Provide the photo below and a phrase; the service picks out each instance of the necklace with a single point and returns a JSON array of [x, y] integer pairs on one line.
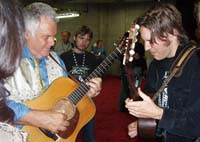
[[75, 60]]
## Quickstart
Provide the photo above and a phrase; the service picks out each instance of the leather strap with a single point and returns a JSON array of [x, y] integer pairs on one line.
[[176, 68]]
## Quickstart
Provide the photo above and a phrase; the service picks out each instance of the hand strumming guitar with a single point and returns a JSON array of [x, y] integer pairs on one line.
[[142, 109], [47, 119]]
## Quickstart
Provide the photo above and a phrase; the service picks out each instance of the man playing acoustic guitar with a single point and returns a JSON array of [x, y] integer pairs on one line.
[[177, 111], [38, 70]]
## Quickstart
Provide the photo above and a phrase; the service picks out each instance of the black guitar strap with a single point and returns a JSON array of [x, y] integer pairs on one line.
[[176, 68]]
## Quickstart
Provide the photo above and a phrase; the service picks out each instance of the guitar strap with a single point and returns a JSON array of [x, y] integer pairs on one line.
[[176, 68]]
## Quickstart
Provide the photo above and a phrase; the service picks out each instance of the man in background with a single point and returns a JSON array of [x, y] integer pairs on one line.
[[65, 45], [80, 63], [98, 50]]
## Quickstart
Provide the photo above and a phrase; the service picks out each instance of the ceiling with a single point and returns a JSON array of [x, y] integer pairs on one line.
[[56, 2], [64, 5]]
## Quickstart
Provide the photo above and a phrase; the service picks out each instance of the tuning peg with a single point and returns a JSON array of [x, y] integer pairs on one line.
[[135, 40], [131, 52], [132, 45], [137, 27], [130, 59]]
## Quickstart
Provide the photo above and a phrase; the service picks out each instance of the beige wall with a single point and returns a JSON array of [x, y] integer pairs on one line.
[[107, 21]]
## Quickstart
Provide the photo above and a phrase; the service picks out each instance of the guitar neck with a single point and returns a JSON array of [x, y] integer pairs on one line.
[[77, 95], [105, 64]]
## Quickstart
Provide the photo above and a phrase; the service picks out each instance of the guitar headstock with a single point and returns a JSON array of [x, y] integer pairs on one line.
[[132, 39], [122, 42]]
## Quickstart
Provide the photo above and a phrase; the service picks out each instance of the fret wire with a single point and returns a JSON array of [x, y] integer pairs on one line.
[[71, 98], [103, 67], [83, 88], [116, 55], [109, 61], [119, 51], [76, 95], [92, 75], [96, 73], [106, 64], [79, 92], [111, 58], [100, 69]]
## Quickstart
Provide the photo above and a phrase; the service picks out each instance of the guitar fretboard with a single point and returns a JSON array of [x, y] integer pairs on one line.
[[76, 96]]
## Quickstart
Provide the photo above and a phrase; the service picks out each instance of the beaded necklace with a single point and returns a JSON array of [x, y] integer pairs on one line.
[[75, 61]]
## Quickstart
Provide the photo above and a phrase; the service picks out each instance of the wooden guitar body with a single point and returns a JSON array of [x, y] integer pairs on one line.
[[60, 89], [147, 129]]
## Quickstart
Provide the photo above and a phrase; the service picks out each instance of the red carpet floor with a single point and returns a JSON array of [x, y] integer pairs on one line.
[[110, 123]]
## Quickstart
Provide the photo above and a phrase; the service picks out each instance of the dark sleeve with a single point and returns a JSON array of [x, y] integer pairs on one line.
[[183, 118], [67, 59], [152, 79]]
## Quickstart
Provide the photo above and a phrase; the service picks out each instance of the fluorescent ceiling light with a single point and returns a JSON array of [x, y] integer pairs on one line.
[[68, 14]]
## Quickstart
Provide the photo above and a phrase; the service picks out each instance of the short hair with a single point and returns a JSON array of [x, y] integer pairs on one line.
[[66, 32], [163, 19], [11, 42], [33, 13], [83, 30]]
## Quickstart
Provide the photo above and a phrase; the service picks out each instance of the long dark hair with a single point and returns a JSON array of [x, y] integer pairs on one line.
[[163, 19], [11, 42]]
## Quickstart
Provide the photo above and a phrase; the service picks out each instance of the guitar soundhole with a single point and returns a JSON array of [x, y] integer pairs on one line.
[[67, 107], [73, 123], [64, 106], [64, 134]]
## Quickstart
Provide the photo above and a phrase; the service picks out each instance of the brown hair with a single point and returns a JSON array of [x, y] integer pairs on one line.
[[83, 30], [161, 20]]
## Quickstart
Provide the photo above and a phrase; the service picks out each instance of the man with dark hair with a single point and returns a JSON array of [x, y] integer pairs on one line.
[[177, 110], [80, 63]]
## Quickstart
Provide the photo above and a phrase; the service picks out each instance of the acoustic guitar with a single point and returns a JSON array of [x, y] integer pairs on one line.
[[146, 127], [66, 93]]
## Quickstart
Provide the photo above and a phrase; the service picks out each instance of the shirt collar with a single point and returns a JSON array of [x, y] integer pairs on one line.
[[26, 53]]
